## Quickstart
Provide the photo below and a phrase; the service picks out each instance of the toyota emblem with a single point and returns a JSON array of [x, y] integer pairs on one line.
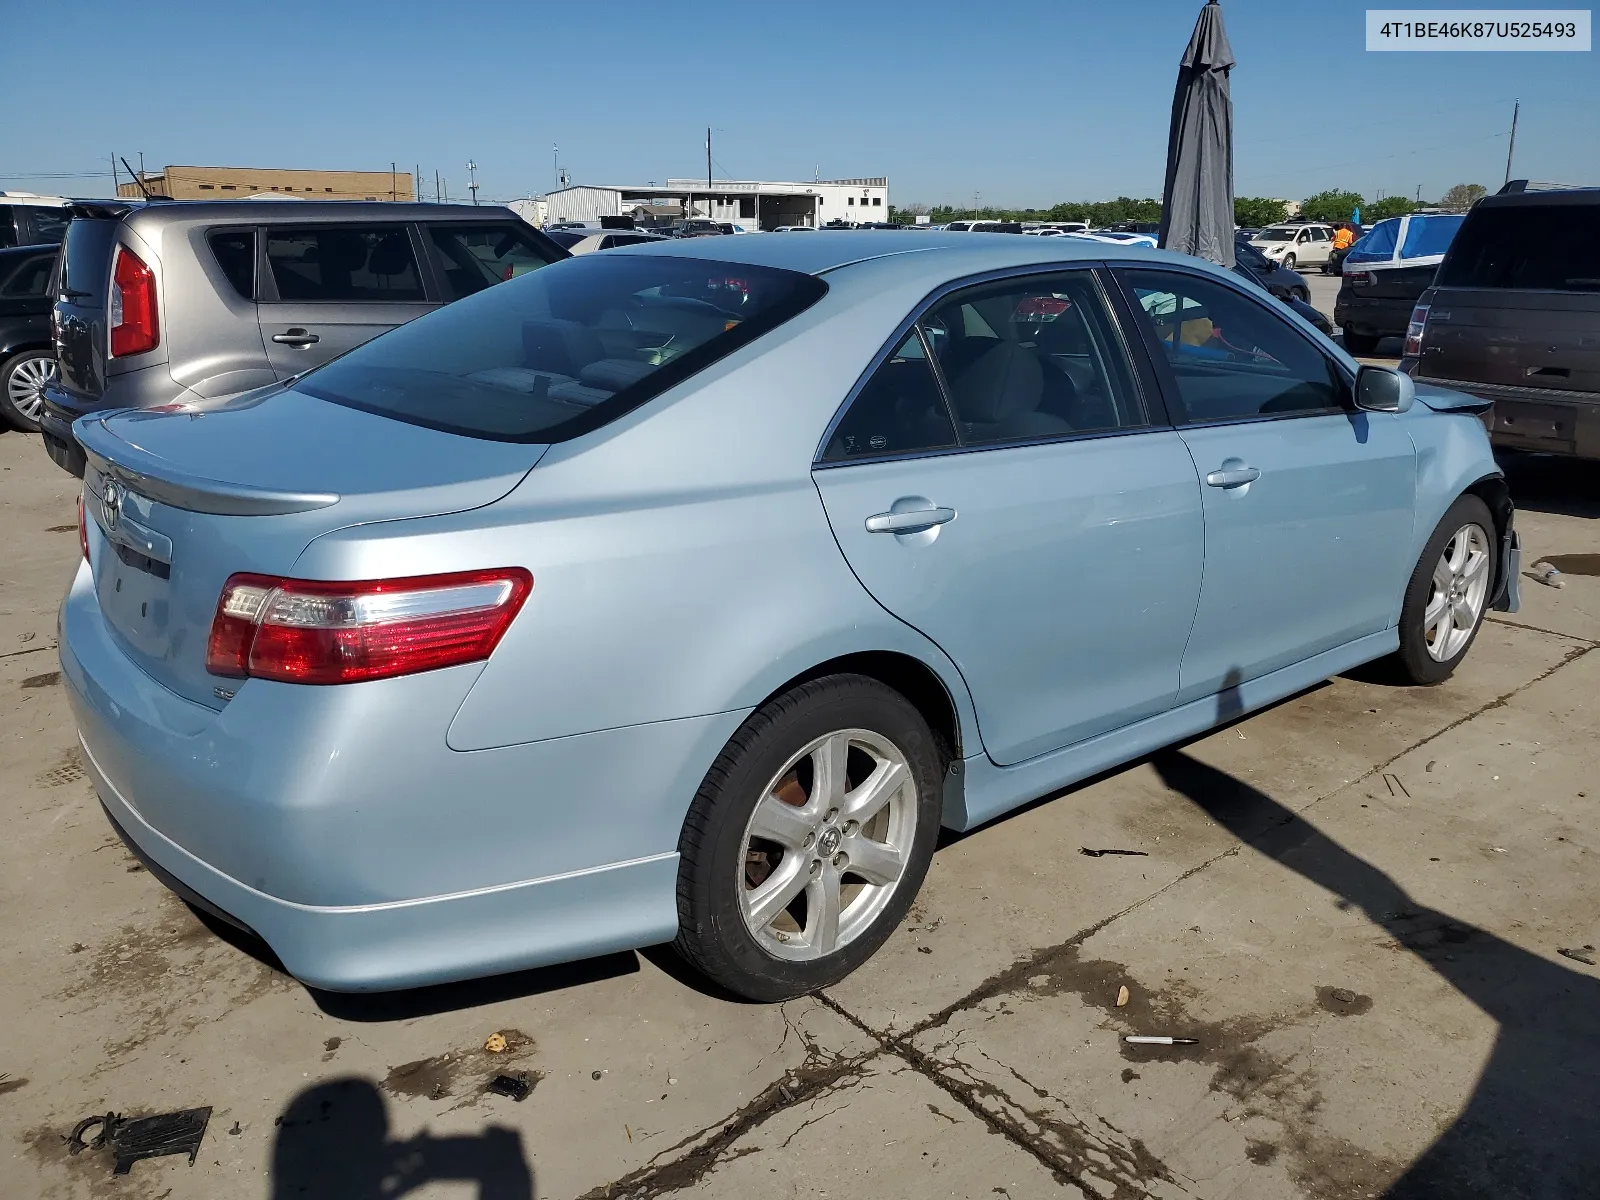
[[111, 504]]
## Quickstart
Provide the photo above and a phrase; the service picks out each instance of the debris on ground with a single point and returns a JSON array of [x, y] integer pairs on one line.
[[1136, 1039], [1103, 853], [133, 1138], [519, 1087], [1547, 574], [495, 1043], [1396, 788], [1122, 996], [924, 949], [1585, 955]]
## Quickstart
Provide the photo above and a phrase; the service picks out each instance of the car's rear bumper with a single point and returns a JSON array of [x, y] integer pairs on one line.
[[1548, 420], [1375, 316], [359, 846]]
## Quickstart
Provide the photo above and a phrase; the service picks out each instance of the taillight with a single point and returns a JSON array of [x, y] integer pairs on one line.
[[1415, 330], [1357, 278], [135, 327], [83, 529], [310, 631]]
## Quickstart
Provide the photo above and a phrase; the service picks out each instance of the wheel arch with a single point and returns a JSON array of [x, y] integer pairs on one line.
[[10, 349], [1495, 492]]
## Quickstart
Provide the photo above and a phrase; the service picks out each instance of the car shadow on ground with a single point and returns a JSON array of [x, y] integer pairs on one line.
[[1552, 483], [332, 1142], [1531, 1128]]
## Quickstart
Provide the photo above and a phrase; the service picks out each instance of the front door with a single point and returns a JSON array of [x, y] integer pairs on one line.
[[329, 288], [1048, 538], [1308, 501]]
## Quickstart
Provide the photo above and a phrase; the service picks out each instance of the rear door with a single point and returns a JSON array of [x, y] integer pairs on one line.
[[325, 289], [1048, 538], [1308, 502], [80, 311]]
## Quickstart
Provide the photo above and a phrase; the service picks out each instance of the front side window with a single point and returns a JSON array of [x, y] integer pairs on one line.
[[566, 349], [330, 263], [1231, 356], [1033, 358], [475, 256]]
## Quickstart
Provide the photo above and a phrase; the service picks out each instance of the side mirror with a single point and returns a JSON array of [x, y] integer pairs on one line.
[[1382, 389]]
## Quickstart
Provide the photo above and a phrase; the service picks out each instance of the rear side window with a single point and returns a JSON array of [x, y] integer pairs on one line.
[[8, 226], [1378, 245], [49, 224], [235, 251], [1540, 247], [473, 257], [327, 263], [900, 410], [566, 349], [31, 277], [1429, 235]]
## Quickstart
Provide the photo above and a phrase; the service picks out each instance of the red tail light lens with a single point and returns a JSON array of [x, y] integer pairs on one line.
[[135, 327], [1415, 330], [310, 631], [83, 529]]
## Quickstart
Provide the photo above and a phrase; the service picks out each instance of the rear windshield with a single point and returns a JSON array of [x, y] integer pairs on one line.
[[1543, 248], [565, 350], [1378, 244]]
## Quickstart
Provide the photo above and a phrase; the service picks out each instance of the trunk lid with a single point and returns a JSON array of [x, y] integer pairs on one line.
[[180, 499], [1513, 338]]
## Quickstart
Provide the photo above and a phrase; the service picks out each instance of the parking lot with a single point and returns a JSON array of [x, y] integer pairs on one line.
[[1371, 907]]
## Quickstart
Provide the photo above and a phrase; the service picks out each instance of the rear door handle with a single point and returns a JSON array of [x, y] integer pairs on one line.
[[296, 337], [1233, 477], [909, 522]]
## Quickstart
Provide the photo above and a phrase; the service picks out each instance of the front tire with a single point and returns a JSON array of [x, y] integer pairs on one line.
[[1448, 594], [1289, 261], [1360, 343], [809, 838], [22, 383]]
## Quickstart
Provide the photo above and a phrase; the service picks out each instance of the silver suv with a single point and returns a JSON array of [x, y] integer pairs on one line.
[[181, 301]]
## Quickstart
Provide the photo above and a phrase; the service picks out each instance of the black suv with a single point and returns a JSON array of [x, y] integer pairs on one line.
[[1513, 316], [27, 361]]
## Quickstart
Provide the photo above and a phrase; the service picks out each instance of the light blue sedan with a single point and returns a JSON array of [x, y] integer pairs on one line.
[[685, 591]]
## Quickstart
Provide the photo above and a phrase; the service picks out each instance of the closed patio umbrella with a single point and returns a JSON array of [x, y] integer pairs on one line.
[[1197, 198]]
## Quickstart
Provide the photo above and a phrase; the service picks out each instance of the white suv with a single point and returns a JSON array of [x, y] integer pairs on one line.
[[27, 219], [1295, 245]]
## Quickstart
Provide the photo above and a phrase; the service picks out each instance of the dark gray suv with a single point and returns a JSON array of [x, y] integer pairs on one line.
[[183, 301]]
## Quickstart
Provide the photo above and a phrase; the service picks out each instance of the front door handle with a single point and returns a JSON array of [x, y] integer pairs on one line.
[[909, 522], [296, 337], [1232, 477]]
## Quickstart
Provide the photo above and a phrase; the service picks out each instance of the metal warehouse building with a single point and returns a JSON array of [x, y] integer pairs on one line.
[[751, 203]]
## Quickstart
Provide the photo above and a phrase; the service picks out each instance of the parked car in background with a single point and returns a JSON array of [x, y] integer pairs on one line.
[[1246, 231], [1384, 273], [586, 240], [696, 227], [462, 653], [27, 359], [984, 227], [1300, 308], [191, 301], [1121, 237], [1513, 316], [1295, 245], [1276, 278], [794, 229], [27, 219]]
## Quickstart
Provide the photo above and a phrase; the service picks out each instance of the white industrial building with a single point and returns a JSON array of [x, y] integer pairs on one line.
[[751, 203]]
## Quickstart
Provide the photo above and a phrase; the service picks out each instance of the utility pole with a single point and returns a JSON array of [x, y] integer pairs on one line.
[[141, 164], [472, 174], [1512, 148], [116, 187], [436, 193], [555, 164], [708, 162], [394, 182], [416, 181], [1419, 193]]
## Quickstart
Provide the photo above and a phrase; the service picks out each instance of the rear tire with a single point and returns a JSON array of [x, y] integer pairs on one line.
[[22, 380], [768, 904], [1448, 594], [1360, 343]]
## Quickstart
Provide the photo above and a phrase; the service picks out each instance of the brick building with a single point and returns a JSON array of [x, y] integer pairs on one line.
[[235, 183]]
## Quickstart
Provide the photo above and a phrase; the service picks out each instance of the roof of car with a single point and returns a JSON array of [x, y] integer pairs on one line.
[[1544, 195], [814, 256], [315, 210]]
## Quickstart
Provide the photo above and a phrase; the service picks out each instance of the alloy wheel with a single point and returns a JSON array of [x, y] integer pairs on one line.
[[827, 844], [1457, 593], [25, 387]]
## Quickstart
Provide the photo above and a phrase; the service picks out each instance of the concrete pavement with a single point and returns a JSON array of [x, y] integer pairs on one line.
[[1354, 901]]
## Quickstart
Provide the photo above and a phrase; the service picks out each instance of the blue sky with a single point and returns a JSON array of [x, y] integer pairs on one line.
[[1066, 100]]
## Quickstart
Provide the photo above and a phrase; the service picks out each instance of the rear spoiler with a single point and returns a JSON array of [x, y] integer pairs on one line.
[[101, 210]]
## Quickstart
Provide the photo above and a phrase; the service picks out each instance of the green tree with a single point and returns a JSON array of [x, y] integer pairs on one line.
[[1256, 211], [1463, 196], [1330, 206], [1389, 206]]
